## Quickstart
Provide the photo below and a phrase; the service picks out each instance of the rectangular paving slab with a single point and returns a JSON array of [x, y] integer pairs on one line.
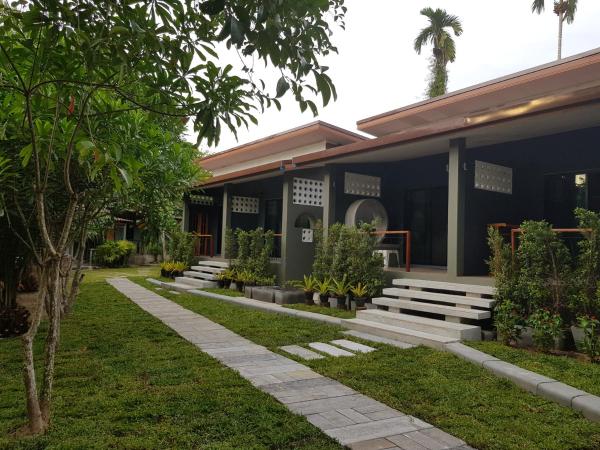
[[354, 346], [302, 352], [339, 411], [329, 349]]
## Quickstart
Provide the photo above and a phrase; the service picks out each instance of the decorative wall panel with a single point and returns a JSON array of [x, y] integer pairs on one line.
[[307, 235], [358, 184], [307, 192], [492, 177], [205, 200], [244, 205]]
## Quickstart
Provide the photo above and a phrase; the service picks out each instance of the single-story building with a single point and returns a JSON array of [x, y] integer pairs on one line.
[[436, 173]]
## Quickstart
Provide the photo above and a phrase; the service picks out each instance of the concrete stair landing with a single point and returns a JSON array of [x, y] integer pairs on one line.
[[201, 276]]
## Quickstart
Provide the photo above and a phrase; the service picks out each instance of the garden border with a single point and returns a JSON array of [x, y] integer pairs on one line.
[[548, 388]]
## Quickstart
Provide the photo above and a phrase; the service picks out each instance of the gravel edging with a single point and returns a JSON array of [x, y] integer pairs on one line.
[[548, 388]]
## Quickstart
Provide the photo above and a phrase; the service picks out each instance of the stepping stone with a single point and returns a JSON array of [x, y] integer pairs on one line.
[[351, 345], [175, 292], [329, 349], [302, 352], [158, 288]]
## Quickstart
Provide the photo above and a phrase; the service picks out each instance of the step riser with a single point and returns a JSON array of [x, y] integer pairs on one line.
[[208, 269], [443, 286], [434, 296], [415, 340], [202, 275], [194, 283], [472, 334], [219, 264], [407, 305]]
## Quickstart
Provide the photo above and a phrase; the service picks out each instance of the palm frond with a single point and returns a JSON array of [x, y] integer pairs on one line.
[[538, 6], [424, 36], [571, 10]]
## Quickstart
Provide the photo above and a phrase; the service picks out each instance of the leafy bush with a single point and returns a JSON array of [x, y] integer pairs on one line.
[[172, 269], [251, 251], [508, 321], [181, 247], [586, 298], [547, 328], [114, 253], [348, 252], [591, 336]]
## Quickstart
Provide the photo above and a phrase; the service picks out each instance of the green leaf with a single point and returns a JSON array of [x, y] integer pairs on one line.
[[237, 35], [25, 154], [282, 86]]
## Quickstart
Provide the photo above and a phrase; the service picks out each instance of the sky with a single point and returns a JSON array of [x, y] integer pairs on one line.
[[377, 69]]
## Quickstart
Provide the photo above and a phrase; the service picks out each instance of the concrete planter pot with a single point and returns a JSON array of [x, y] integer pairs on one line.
[[342, 302], [264, 293], [248, 291], [360, 301], [333, 302], [288, 296], [324, 300], [578, 337]]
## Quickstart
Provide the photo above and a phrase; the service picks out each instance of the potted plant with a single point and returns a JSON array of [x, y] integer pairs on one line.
[[360, 294], [220, 280], [178, 269], [323, 287], [309, 286], [241, 279], [228, 276], [340, 289]]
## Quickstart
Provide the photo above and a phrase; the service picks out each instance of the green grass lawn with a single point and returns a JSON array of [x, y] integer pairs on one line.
[[323, 310], [223, 291], [580, 374], [457, 396], [92, 275], [125, 380]]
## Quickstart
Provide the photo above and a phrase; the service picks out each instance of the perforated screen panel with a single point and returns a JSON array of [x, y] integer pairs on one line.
[[358, 184], [244, 205], [307, 192], [492, 177]]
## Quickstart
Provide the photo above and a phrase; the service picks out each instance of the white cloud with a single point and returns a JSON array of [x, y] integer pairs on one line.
[[377, 69]]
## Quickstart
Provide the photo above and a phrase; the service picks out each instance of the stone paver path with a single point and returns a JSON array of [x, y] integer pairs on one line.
[[353, 419], [302, 352]]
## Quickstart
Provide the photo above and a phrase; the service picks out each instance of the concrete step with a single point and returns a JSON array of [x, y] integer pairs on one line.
[[208, 269], [398, 333], [443, 286], [195, 283], [439, 297], [423, 324], [202, 275], [448, 311], [213, 263], [181, 287]]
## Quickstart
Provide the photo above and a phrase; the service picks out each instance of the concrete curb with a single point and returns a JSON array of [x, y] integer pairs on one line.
[[257, 304], [548, 388]]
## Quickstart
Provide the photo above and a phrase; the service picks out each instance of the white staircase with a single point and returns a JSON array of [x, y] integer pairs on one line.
[[431, 313], [201, 276]]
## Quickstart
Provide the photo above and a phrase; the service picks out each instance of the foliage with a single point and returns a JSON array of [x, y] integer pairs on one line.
[[586, 298], [181, 247], [323, 286], [508, 321], [547, 328], [230, 244], [252, 252], [360, 290], [307, 284], [341, 287], [564, 9], [348, 252], [444, 48], [114, 253], [591, 336]]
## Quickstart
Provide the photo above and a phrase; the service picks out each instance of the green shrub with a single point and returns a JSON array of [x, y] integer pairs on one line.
[[114, 253], [547, 328], [251, 252], [348, 252], [181, 247], [585, 300], [508, 321], [591, 336]]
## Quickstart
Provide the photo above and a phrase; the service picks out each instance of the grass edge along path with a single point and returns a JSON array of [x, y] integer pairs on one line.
[[579, 374], [460, 398], [125, 380]]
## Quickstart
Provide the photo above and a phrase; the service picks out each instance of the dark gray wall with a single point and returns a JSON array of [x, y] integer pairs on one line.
[[531, 160]]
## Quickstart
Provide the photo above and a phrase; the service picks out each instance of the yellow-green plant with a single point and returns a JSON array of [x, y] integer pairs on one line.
[[360, 290]]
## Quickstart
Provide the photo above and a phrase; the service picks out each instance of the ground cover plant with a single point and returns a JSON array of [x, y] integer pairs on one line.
[[125, 380], [459, 397], [335, 312]]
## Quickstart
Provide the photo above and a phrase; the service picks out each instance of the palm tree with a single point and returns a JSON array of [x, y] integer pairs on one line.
[[444, 49], [564, 9]]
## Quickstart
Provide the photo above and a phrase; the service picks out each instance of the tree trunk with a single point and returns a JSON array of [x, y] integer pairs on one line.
[[36, 423], [561, 19], [52, 337], [164, 245]]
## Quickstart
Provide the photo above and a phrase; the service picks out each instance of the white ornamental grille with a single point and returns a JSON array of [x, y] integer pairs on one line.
[[205, 200], [492, 177], [307, 192], [244, 205], [358, 184]]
